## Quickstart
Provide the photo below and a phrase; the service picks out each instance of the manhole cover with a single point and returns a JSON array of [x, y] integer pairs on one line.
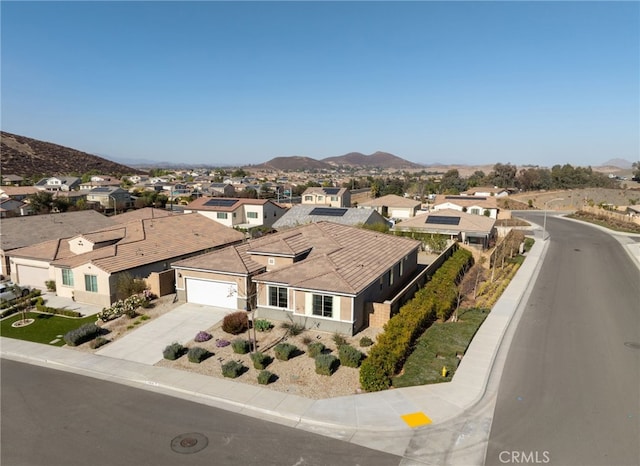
[[189, 443], [632, 344]]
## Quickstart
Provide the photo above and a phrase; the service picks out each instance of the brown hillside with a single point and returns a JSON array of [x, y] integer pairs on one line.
[[377, 159], [294, 163], [27, 157]]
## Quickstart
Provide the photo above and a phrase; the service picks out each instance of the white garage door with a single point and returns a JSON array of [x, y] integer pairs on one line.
[[220, 294], [33, 277]]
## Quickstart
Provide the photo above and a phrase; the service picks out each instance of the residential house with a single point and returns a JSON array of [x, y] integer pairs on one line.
[[332, 197], [393, 206], [88, 266], [486, 191], [301, 214], [240, 213], [18, 193], [323, 275], [109, 198], [100, 182], [220, 189], [25, 231], [475, 230], [475, 205], [12, 208], [12, 180], [58, 183]]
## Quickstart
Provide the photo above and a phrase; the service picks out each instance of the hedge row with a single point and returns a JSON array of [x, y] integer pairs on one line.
[[40, 307], [393, 346]]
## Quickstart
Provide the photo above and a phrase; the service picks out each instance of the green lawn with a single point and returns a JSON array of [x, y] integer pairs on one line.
[[437, 347], [45, 329]]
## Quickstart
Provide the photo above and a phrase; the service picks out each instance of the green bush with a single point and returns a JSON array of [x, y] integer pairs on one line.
[[285, 351], [260, 360], [173, 351], [339, 340], [197, 354], [235, 323], [240, 346], [232, 369], [82, 334], [265, 377], [350, 356], [98, 342], [51, 285], [326, 364], [316, 348], [262, 325], [40, 307], [365, 341]]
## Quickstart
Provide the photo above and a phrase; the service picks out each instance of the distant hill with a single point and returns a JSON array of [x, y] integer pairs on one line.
[[353, 159], [620, 163], [27, 157], [377, 159]]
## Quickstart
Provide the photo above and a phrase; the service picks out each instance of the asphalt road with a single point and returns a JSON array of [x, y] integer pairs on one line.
[[570, 389], [52, 418]]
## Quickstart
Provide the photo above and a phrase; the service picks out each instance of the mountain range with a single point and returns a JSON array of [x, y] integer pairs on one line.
[[378, 159]]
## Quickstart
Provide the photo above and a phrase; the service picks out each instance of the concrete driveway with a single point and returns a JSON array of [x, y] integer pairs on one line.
[[145, 344]]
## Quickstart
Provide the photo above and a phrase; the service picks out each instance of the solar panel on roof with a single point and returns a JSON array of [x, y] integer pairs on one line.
[[220, 202], [466, 198], [442, 220], [101, 190], [332, 191], [328, 211]]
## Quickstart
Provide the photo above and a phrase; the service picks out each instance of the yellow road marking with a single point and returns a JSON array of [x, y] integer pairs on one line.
[[416, 419]]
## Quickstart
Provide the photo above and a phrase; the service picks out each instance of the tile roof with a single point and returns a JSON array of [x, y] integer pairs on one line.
[[144, 242], [469, 223], [199, 204], [139, 214], [391, 200], [19, 190], [343, 259], [18, 232], [486, 202], [300, 214]]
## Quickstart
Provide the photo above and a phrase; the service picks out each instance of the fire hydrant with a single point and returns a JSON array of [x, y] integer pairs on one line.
[[444, 371]]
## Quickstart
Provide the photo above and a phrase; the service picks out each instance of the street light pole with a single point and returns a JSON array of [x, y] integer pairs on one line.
[[544, 223]]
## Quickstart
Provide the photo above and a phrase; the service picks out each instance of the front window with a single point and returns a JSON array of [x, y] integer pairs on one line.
[[278, 297], [475, 211], [252, 214], [308, 198], [334, 198], [67, 277], [91, 283], [322, 305], [221, 215]]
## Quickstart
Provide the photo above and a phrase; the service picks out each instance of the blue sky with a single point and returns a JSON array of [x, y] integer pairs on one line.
[[228, 83]]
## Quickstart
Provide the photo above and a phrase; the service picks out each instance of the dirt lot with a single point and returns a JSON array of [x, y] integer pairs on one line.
[[574, 199]]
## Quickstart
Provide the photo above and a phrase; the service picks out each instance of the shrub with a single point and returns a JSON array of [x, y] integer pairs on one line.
[[51, 285], [235, 323], [232, 369], [127, 306], [40, 307], [366, 341], [260, 360], [197, 354], [202, 337], [240, 346], [265, 377], [293, 328], [285, 351], [262, 325], [222, 343], [326, 364], [314, 349], [82, 334], [173, 351], [338, 339], [349, 356], [98, 342]]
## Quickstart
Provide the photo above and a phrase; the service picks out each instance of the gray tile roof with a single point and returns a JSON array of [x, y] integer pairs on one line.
[[301, 214]]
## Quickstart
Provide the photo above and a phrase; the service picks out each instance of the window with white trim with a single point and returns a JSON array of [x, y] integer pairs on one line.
[[221, 215], [278, 296], [308, 198], [252, 214], [322, 305], [91, 283], [67, 277], [475, 211]]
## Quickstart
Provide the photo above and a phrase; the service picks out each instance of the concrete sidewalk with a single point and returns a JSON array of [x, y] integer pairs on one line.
[[383, 420]]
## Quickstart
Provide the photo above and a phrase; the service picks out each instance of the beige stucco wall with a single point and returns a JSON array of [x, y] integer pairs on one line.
[[16, 261], [183, 274]]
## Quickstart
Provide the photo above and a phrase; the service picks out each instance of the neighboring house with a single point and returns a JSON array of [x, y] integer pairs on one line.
[[323, 275], [19, 232], [110, 198], [475, 205], [12, 180], [12, 208], [332, 197], [238, 212], [18, 193], [100, 182], [58, 183], [393, 206], [301, 214], [87, 266], [135, 179], [486, 191], [220, 189], [475, 230]]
